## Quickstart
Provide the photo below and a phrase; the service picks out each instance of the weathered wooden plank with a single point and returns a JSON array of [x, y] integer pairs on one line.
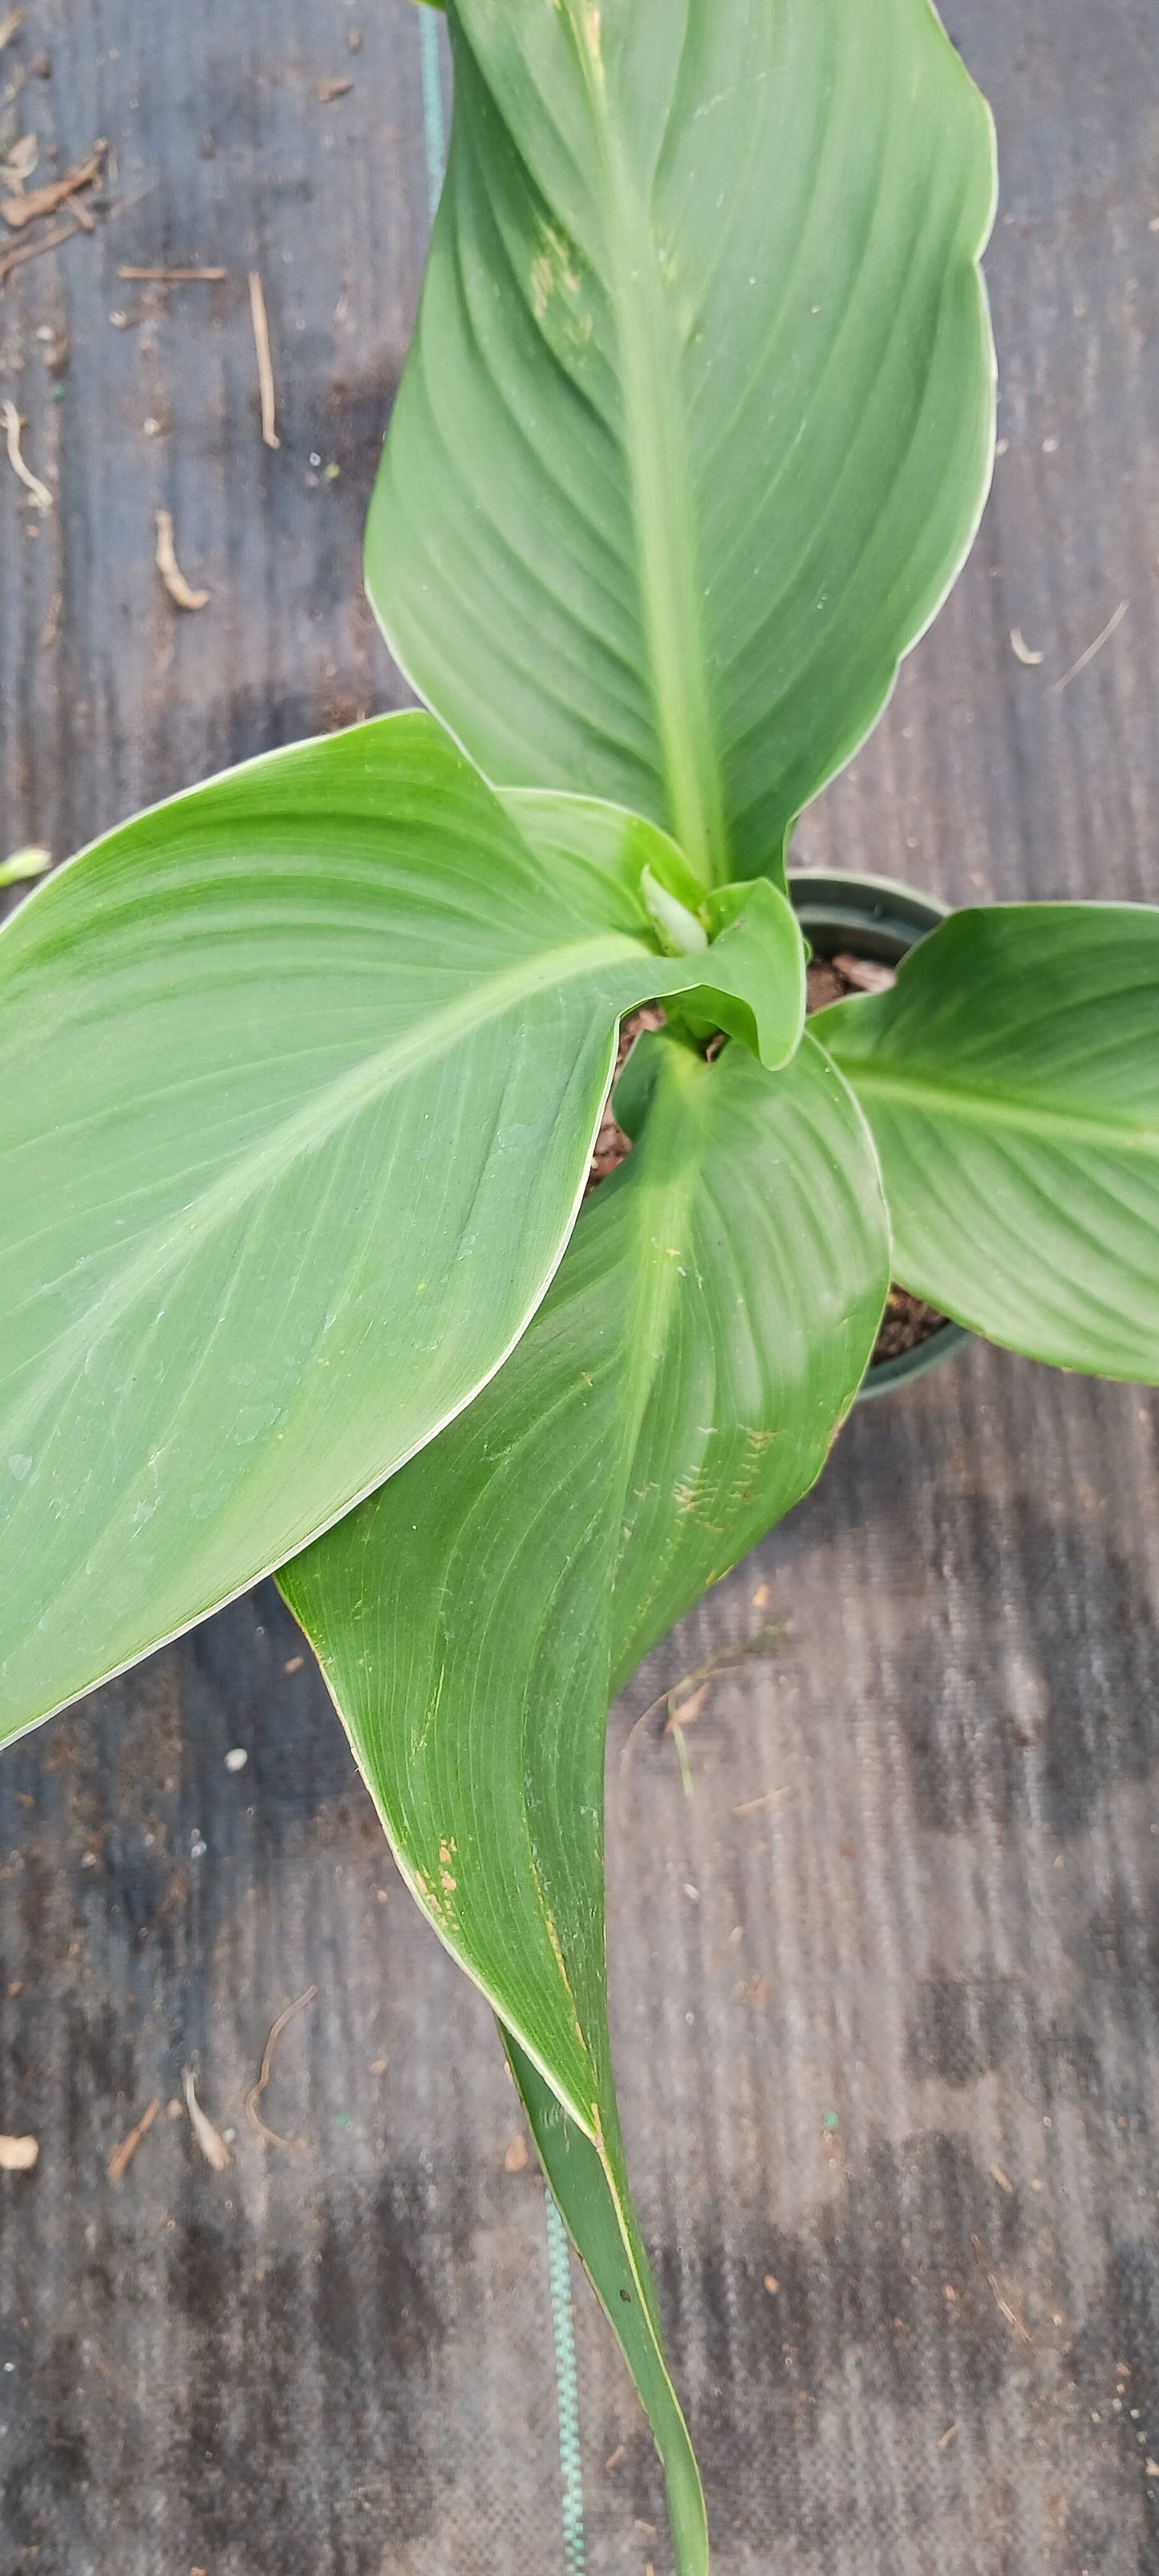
[[931, 1952]]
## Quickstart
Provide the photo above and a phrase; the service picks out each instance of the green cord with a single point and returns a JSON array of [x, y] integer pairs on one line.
[[433, 103], [567, 2389]]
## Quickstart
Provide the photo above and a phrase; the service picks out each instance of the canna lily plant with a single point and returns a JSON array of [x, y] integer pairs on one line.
[[300, 1072]]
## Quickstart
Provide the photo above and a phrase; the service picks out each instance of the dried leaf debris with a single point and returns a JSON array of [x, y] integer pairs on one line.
[[1111, 628], [1001, 2302], [170, 570], [34, 249], [17, 170], [18, 2155], [270, 2137], [177, 276], [122, 2156], [25, 209], [265, 363], [209, 2139], [11, 423]]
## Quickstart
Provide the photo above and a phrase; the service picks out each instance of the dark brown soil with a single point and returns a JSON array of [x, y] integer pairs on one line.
[[906, 1323], [611, 1144]]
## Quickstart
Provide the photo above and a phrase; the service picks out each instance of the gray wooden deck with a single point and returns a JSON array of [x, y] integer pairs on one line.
[[900, 2052]]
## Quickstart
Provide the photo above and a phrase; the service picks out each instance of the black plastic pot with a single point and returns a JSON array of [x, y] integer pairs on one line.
[[873, 917]]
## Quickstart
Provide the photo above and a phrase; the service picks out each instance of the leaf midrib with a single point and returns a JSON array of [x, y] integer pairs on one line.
[[988, 1106], [661, 490]]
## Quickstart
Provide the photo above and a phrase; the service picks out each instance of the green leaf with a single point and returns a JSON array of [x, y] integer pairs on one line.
[[678, 1390], [617, 2266], [1011, 1080], [764, 1003], [696, 427], [299, 1076]]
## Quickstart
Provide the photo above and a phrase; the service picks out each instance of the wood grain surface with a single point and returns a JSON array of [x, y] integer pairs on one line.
[[886, 1987]]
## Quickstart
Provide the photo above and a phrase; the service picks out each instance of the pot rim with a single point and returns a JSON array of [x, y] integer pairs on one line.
[[901, 930]]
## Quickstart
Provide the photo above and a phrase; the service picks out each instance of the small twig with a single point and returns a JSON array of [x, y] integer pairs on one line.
[[728, 1659], [265, 367], [755, 1806], [178, 276], [122, 2156], [18, 211], [9, 26], [32, 250], [1002, 2304], [687, 1712], [270, 2136], [11, 424], [1111, 628], [209, 2139], [1023, 651], [170, 570], [677, 1734]]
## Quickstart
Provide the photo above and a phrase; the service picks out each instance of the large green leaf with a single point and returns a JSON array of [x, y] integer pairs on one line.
[[1011, 1079], [697, 423], [678, 1390], [299, 1075]]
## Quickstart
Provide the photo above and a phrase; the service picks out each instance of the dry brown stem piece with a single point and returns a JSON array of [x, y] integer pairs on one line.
[[32, 250], [12, 424], [1001, 2303], [9, 26], [1111, 628], [122, 2156], [756, 1806], [18, 211], [265, 364], [687, 1712], [269, 2137], [178, 276], [209, 2139], [170, 570]]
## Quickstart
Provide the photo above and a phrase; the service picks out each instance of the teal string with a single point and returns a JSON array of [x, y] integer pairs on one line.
[[433, 103], [567, 2390]]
